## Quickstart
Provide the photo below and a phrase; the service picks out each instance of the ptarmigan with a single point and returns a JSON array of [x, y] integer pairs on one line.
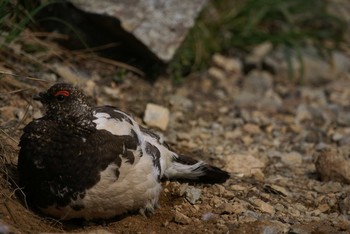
[[80, 161]]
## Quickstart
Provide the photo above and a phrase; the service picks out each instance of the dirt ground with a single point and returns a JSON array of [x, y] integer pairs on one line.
[[267, 131]]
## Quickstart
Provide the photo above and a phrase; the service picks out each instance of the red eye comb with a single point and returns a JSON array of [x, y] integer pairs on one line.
[[62, 92]]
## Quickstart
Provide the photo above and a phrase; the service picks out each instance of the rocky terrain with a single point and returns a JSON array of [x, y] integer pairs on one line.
[[285, 140]]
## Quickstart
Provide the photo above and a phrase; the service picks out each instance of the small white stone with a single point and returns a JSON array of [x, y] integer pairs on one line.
[[156, 116]]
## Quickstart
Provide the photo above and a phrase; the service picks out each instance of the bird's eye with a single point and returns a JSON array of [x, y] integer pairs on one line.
[[60, 98], [61, 95]]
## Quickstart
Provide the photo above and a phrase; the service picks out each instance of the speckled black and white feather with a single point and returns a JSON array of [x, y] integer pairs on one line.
[[80, 161]]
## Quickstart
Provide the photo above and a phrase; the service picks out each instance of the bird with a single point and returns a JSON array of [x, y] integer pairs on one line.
[[80, 161]]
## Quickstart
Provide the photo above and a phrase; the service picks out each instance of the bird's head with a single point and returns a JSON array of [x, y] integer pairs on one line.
[[64, 101]]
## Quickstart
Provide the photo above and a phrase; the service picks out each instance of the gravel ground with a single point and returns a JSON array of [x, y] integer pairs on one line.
[[286, 145]]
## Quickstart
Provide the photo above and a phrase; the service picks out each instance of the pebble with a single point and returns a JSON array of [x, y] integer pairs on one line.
[[216, 201], [112, 92], [292, 159], [193, 194], [219, 189], [243, 164], [181, 102], [181, 218], [323, 207], [259, 53], [294, 212], [279, 189], [182, 189], [333, 165], [258, 174], [217, 73], [274, 227], [300, 207], [263, 206], [4, 228], [251, 128], [279, 207], [237, 187], [209, 216], [156, 116], [183, 136], [227, 64], [258, 82], [329, 187]]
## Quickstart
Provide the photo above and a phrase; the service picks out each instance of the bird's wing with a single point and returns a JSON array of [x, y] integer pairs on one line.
[[122, 126]]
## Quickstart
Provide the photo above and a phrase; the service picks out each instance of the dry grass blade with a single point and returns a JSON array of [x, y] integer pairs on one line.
[[51, 35], [97, 48], [119, 64], [8, 136], [55, 50], [25, 115], [27, 77]]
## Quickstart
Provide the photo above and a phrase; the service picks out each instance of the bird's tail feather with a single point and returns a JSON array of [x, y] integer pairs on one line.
[[187, 168]]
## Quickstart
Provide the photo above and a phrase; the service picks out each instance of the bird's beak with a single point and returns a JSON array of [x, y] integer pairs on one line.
[[39, 97]]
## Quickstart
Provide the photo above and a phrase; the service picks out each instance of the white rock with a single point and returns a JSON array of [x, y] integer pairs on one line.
[[156, 116], [159, 25]]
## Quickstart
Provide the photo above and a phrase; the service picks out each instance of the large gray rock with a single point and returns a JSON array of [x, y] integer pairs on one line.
[[161, 25]]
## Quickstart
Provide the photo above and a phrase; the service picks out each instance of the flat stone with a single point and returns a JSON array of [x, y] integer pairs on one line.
[[181, 218], [229, 208], [161, 25], [237, 187], [278, 189], [243, 164], [251, 128], [292, 159], [263, 206], [156, 116]]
